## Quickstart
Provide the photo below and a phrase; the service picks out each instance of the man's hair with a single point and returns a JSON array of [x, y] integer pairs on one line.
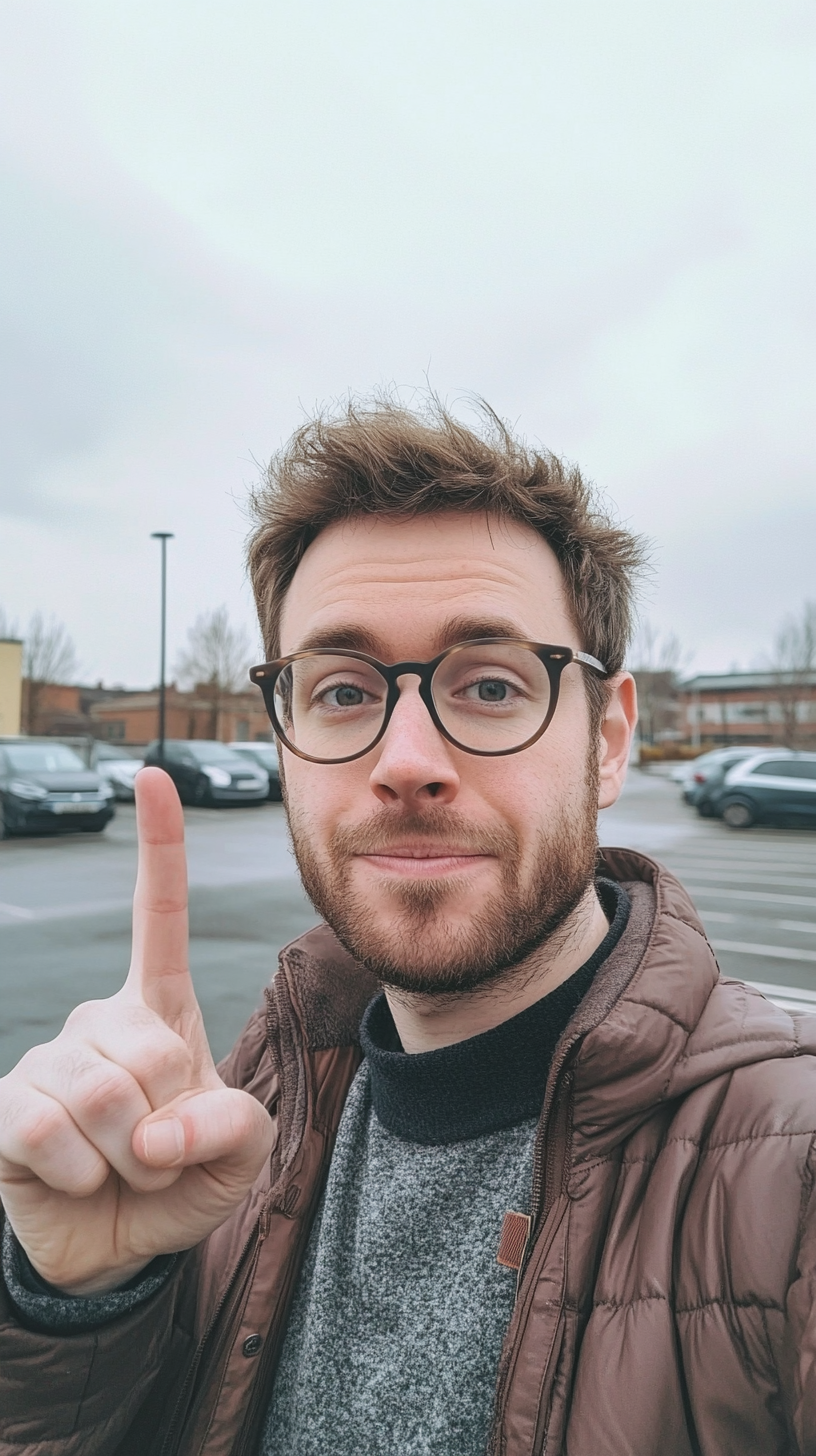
[[377, 458]]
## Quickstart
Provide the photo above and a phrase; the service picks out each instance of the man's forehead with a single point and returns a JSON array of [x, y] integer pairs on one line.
[[382, 576]]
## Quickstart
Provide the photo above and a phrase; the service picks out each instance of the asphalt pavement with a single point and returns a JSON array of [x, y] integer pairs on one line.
[[755, 889], [65, 907]]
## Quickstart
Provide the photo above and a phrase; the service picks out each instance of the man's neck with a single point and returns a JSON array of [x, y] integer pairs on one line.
[[425, 1023]]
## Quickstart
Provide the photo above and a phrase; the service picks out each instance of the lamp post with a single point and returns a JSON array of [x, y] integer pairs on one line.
[[164, 537]]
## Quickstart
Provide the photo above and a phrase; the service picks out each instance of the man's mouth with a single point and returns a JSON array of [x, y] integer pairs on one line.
[[419, 861]]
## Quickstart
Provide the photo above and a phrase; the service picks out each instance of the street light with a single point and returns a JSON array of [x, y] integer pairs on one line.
[[164, 537]]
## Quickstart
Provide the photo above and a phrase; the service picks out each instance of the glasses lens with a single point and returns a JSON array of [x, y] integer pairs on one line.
[[330, 706], [491, 697]]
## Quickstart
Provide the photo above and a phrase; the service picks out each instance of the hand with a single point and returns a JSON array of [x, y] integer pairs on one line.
[[118, 1140]]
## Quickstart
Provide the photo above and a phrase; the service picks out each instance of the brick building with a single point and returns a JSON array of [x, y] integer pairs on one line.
[[134, 717], [749, 707]]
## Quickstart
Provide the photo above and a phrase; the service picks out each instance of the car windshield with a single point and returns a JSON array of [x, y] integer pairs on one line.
[[43, 758], [262, 753], [106, 754], [211, 752]]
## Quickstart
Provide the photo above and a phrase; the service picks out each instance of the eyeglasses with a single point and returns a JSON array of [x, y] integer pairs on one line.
[[491, 696]]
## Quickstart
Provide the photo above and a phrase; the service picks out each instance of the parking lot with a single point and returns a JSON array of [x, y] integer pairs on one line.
[[65, 906]]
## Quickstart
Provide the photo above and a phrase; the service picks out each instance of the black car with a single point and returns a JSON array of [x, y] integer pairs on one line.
[[46, 788], [209, 773], [265, 754], [768, 788]]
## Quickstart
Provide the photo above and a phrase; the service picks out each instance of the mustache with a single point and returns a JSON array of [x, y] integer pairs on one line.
[[445, 827]]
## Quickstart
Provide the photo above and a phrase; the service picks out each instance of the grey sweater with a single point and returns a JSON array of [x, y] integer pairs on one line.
[[394, 1339]]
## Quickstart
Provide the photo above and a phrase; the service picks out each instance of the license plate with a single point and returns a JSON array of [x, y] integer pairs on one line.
[[246, 784], [90, 806]]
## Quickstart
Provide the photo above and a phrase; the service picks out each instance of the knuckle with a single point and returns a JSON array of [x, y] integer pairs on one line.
[[40, 1125], [102, 1089], [83, 1016], [166, 1056]]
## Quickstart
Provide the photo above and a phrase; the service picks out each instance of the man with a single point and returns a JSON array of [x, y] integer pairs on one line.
[[551, 1187]]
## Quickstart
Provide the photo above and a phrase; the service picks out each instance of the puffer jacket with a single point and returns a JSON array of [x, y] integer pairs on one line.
[[666, 1299]]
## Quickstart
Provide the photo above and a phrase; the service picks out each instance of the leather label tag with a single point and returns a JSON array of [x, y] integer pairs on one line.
[[513, 1242]]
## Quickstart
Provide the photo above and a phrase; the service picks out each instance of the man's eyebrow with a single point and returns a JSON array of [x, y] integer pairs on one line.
[[333, 639], [465, 629], [453, 629]]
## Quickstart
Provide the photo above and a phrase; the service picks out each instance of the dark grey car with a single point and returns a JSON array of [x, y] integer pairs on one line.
[[208, 773], [768, 789], [265, 754], [45, 788]]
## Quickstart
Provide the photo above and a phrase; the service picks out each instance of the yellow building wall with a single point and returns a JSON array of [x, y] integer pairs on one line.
[[11, 676]]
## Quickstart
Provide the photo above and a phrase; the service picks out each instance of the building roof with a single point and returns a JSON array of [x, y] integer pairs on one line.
[[725, 682]]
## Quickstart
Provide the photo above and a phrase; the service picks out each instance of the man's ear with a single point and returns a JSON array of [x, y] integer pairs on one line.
[[617, 730]]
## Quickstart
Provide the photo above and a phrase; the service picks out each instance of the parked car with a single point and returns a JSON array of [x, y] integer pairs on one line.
[[46, 788], [265, 754], [209, 773], [768, 787], [710, 767], [118, 767]]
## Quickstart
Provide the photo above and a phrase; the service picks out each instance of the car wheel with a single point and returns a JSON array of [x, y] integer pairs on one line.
[[5, 832], [201, 792], [738, 814], [705, 810]]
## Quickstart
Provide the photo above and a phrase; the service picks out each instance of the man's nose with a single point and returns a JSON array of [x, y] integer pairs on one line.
[[414, 762]]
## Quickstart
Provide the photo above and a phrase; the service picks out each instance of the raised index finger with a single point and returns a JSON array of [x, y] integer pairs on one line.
[[159, 971]]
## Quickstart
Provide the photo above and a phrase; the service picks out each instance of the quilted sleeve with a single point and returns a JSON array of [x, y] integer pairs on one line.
[[799, 1374]]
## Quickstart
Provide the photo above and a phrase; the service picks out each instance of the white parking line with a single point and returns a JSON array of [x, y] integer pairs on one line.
[[776, 952], [17, 911], [789, 998], [799, 927], [764, 875], [763, 897]]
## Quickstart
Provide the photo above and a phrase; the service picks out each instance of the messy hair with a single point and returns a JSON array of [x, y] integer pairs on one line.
[[378, 458]]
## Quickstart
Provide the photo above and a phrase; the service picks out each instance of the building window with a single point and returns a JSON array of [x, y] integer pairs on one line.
[[115, 729], [242, 730]]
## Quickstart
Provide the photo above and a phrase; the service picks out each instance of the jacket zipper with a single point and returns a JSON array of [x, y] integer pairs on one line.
[[259, 1232], [550, 1157], [268, 1363]]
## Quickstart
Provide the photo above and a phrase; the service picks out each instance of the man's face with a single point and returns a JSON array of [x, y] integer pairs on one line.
[[439, 869]]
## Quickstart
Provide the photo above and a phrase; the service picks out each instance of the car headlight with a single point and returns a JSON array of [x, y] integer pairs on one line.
[[218, 777], [23, 790]]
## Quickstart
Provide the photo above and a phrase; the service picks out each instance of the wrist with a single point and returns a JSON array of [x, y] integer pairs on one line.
[[108, 1281]]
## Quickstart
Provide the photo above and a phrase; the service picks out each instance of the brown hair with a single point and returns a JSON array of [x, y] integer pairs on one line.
[[379, 458]]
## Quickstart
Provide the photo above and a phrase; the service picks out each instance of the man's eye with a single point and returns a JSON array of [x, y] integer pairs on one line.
[[492, 691], [340, 695], [346, 697], [489, 690]]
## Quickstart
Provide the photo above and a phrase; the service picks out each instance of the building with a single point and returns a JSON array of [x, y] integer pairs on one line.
[[133, 718], [11, 680], [749, 707]]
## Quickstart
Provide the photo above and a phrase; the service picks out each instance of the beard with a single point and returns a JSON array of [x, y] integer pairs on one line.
[[424, 947]]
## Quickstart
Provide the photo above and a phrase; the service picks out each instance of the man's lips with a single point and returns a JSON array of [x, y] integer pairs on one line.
[[421, 861]]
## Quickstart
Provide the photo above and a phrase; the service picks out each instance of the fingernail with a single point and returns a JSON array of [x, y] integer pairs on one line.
[[163, 1141]]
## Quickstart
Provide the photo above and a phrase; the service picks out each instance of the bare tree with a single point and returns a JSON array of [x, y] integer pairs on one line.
[[49, 656], [657, 661], [9, 630], [794, 659], [215, 661]]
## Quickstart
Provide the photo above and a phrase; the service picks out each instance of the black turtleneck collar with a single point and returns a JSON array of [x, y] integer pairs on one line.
[[490, 1081]]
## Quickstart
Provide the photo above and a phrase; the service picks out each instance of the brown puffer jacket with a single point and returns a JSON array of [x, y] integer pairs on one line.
[[667, 1302]]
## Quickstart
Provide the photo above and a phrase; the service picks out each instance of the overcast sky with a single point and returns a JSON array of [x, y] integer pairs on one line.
[[598, 214]]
